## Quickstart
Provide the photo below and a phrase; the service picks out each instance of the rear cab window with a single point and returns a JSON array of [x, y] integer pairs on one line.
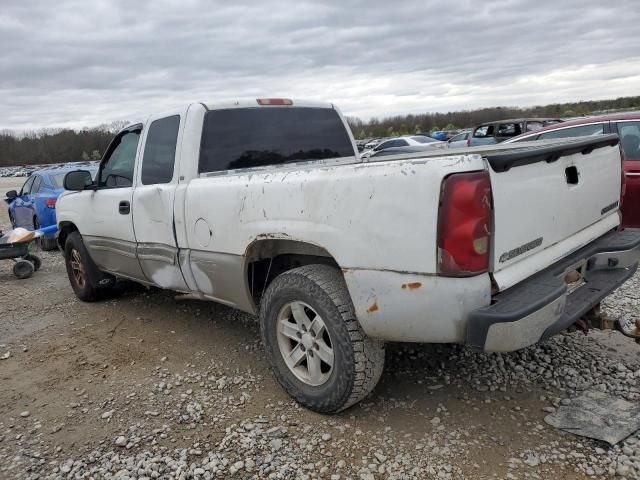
[[240, 138]]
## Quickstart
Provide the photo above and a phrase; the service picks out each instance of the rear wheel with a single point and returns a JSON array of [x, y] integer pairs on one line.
[[37, 263], [23, 269], [314, 343], [79, 268], [45, 243]]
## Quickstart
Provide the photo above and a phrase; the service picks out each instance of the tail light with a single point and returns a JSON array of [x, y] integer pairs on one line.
[[468, 142], [464, 224], [50, 203]]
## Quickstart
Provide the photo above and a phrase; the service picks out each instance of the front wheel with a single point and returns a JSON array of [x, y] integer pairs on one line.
[[79, 265], [314, 343]]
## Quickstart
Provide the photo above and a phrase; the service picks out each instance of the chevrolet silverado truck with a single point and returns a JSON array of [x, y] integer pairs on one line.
[[266, 206]]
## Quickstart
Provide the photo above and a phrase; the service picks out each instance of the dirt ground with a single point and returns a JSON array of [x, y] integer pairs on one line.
[[89, 373]]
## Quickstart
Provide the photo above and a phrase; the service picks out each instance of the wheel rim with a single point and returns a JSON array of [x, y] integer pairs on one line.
[[305, 343], [77, 268]]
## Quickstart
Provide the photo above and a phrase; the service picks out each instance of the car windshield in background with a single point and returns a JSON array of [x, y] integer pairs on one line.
[[255, 137], [423, 139]]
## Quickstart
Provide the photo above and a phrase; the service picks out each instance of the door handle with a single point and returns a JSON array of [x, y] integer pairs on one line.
[[124, 207]]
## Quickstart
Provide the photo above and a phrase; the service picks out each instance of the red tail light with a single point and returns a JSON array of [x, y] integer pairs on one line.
[[51, 203], [464, 224], [468, 142], [274, 101]]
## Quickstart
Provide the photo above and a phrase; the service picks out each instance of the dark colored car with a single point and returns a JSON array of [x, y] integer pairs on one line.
[[34, 206], [501, 130], [627, 126]]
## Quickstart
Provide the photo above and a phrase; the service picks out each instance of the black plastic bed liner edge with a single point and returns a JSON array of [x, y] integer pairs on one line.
[[502, 162]]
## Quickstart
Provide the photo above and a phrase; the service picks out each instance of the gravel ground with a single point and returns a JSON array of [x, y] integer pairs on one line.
[[144, 386]]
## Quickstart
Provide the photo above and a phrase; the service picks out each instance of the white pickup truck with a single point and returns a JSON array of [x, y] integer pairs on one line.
[[266, 206]]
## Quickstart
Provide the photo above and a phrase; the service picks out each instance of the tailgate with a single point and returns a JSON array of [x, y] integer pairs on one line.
[[551, 200]]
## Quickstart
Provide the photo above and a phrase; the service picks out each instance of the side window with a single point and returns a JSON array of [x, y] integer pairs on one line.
[[581, 131], [160, 151], [630, 139], [401, 143], [483, 131], [26, 188], [383, 145], [37, 183], [509, 130], [117, 169]]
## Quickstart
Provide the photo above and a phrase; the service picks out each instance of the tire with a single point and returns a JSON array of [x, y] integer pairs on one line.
[[44, 242], [37, 263], [357, 361], [79, 265], [23, 269]]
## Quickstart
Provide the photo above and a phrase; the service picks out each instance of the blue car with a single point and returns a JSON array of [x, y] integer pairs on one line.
[[35, 205]]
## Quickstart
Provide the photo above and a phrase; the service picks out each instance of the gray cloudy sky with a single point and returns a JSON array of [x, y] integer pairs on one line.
[[79, 62]]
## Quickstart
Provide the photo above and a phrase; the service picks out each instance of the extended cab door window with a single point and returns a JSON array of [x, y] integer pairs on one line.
[[160, 151], [118, 166]]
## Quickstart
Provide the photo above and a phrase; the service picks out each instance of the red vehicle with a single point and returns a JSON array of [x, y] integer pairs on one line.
[[627, 126]]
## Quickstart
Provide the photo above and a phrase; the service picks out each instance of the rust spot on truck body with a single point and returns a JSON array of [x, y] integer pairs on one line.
[[411, 286], [374, 307]]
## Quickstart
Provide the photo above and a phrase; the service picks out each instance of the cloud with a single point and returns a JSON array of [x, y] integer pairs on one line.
[[76, 63]]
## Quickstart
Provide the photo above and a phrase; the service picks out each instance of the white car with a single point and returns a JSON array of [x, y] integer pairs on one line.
[[405, 141], [460, 140], [494, 247]]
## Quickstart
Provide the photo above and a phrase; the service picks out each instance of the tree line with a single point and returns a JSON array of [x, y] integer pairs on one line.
[[55, 145], [67, 145], [429, 122]]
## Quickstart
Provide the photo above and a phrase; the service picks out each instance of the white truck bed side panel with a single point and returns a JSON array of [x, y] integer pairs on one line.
[[380, 216]]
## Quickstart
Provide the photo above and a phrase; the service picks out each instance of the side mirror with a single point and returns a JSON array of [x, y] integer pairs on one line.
[[77, 180], [11, 194]]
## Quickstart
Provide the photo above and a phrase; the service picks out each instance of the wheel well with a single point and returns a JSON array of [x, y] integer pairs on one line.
[[266, 259], [65, 229]]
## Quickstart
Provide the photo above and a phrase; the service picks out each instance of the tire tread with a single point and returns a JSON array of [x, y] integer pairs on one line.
[[368, 353]]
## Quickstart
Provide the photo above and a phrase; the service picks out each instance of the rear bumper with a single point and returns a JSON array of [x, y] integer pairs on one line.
[[543, 305]]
